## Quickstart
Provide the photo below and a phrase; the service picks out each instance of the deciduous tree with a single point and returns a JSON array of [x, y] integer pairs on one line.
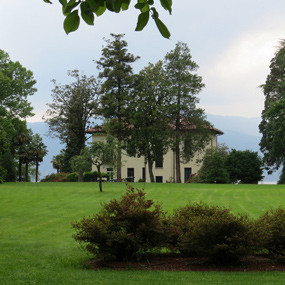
[[81, 163], [272, 126], [102, 153], [213, 169], [16, 84], [73, 108], [244, 166]]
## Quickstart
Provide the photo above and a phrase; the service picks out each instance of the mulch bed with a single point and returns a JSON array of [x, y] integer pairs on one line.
[[171, 263]]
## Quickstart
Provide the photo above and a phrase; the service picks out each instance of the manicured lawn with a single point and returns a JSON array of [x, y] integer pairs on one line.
[[36, 244]]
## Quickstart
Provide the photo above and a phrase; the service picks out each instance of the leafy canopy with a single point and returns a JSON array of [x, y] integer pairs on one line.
[[272, 125], [89, 9]]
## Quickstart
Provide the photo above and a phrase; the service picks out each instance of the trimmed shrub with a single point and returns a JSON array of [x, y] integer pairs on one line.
[[210, 231], [72, 177], [270, 229], [124, 229], [90, 176]]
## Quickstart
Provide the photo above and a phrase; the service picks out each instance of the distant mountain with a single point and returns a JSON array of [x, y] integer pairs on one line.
[[239, 133]]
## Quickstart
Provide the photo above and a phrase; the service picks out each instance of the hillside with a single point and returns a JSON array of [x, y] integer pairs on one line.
[[239, 133]]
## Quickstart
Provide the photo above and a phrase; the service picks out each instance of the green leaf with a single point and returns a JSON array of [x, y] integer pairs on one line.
[[47, 1], [142, 21], [125, 4], [100, 10], [166, 4], [140, 5], [63, 2], [71, 22], [87, 13], [162, 28], [97, 6], [113, 5], [69, 7]]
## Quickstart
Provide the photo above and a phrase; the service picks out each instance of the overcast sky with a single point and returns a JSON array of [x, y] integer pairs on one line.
[[232, 41]]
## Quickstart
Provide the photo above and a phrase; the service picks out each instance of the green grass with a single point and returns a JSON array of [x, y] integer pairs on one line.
[[36, 244]]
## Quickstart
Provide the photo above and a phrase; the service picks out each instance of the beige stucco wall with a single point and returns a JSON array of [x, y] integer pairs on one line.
[[167, 171]]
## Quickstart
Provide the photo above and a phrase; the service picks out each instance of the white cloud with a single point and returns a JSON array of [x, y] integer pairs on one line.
[[235, 74]]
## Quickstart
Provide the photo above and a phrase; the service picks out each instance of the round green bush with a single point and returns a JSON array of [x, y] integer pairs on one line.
[[270, 229], [210, 231], [124, 229], [72, 177]]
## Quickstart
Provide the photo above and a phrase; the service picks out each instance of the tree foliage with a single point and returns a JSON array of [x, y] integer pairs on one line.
[[16, 84], [190, 127], [272, 126], [100, 153], [149, 134], [81, 164], [223, 166], [118, 80], [213, 168], [244, 166], [74, 106], [89, 9]]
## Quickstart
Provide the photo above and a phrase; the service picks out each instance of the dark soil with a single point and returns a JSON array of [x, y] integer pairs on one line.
[[178, 263]]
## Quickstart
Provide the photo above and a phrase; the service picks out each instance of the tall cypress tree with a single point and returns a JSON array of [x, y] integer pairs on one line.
[[117, 73], [189, 123]]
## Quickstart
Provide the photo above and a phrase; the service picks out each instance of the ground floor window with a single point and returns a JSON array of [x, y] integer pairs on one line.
[[130, 174], [143, 174], [158, 179], [187, 173]]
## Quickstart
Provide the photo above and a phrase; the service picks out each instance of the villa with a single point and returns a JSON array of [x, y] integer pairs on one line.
[[135, 168]]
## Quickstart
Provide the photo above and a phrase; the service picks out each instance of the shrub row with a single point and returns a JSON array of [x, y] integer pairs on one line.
[[73, 177], [128, 228]]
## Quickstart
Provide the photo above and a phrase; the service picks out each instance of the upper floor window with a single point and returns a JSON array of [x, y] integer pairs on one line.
[[159, 160]]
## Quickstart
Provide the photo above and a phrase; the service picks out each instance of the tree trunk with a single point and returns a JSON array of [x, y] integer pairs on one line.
[[100, 178], [37, 170], [80, 176], [27, 171], [119, 162], [150, 164], [177, 164], [20, 170]]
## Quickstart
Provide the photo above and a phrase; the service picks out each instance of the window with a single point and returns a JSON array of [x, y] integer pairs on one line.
[[187, 174], [159, 160], [143, 174], [158, 179], [187, 145], [130, 174]]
